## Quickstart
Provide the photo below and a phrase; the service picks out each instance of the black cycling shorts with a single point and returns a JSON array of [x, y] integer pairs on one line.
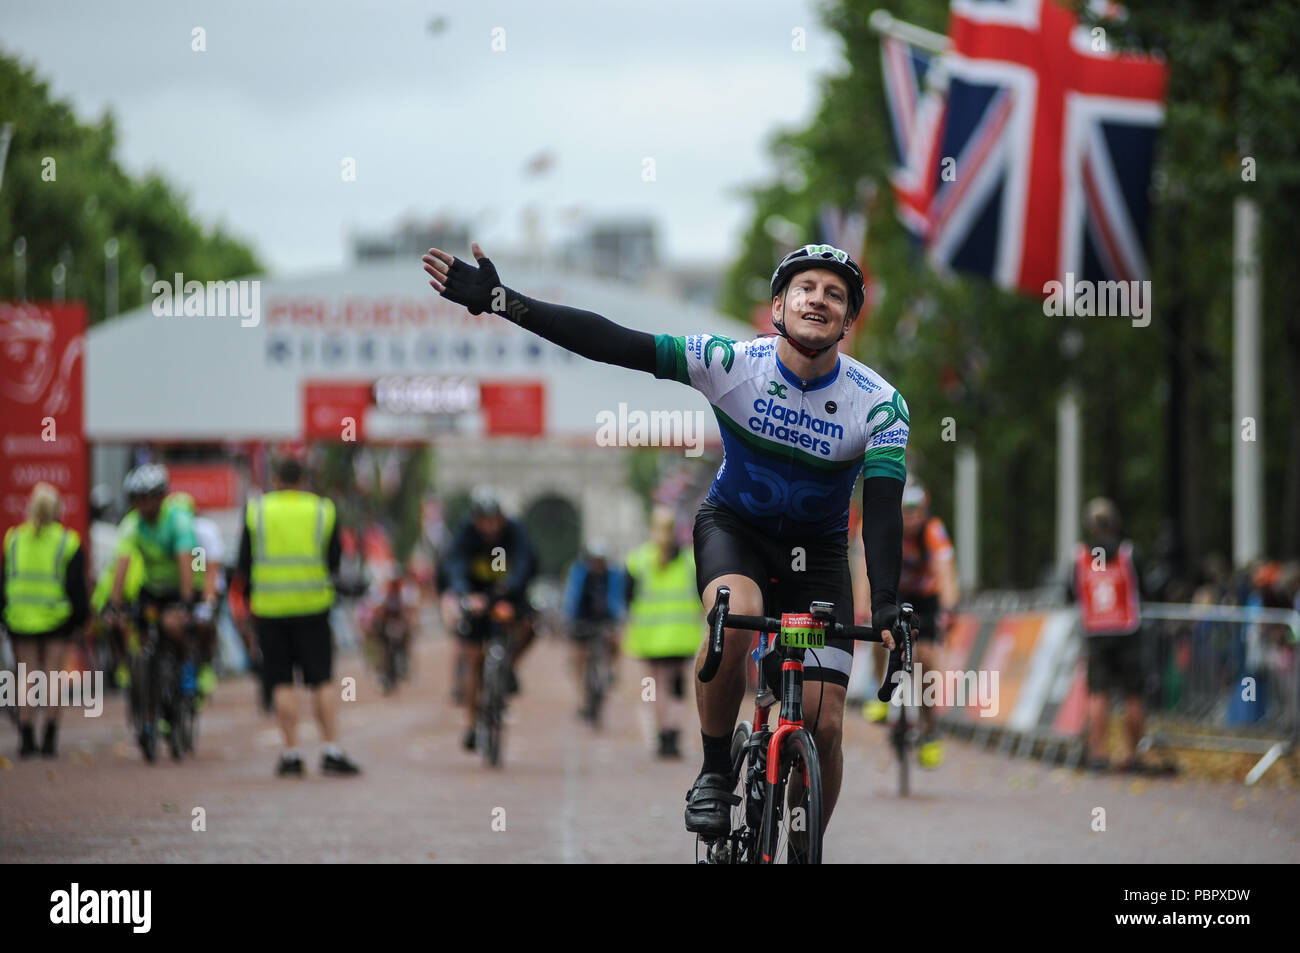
[[1114, 664], [725, 545], [303, 642]]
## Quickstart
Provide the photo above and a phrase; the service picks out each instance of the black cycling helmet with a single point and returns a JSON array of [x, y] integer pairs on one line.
[[823, 256]]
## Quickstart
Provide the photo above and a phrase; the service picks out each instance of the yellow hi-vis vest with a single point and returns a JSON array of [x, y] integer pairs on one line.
[[35, 567], [664, 618], [289, 531]]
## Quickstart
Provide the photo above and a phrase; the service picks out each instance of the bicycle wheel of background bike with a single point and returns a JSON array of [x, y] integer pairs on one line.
[[898, 739], [143, 707], [792, 821], [490, 715]]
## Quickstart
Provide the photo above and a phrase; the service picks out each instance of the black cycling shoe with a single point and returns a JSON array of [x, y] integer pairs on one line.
[[50, 744], [512, 682], [708, 805], [470, 741], [289, 767], [338, 764]]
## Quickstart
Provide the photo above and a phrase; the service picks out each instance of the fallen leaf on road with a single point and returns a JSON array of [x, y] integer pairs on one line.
[[1137, 787], [5, 763], [1239, 804]]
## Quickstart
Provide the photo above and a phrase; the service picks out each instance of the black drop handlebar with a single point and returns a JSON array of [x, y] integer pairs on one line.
[[721, 618]]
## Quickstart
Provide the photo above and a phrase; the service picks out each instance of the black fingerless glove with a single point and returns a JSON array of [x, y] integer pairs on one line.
[[473, 287], [884, 617]]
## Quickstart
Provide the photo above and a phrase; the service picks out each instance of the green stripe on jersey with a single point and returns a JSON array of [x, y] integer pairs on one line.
[[886, 462], [670, 358]]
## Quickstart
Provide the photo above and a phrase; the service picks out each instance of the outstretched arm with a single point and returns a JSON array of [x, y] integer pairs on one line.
[[585, 333], [882, 537]]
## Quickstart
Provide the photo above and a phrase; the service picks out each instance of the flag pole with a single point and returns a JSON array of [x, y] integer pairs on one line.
[[1247, 423], [884, 23]]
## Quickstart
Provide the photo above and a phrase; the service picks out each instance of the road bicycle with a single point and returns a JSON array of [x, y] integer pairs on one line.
[[598, 670], [163, 686], [494, 689], [776, 774]]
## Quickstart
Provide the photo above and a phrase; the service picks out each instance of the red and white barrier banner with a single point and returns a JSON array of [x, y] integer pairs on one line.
[[42, 408]]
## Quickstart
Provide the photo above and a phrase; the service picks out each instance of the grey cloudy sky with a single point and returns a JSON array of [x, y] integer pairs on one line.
[[254, 130]]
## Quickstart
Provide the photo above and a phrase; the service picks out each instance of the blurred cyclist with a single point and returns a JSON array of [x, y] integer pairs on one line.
[[43, 601], [929, 582], [488, 566], [595, 600], [395, 610]]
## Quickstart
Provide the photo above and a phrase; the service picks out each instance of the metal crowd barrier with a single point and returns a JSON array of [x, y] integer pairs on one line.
[[1225, 678]]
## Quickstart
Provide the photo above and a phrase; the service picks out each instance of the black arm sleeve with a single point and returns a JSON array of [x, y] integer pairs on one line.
[[74, 582], [585, 333], [882, 537]]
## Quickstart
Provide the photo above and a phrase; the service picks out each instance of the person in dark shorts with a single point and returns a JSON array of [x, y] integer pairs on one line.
[[288, 554], [1106, 581]]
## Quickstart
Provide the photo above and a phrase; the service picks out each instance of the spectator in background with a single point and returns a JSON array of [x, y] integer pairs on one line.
[[1106, 583], [43, 602], [287, 557], [663, 622]]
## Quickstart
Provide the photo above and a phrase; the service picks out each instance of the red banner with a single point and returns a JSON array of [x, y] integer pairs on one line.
[[42, 408], [513, 408], [328, 405], [214, 486]]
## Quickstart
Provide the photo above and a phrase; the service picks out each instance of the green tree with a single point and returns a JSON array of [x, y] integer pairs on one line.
[[65, 194]]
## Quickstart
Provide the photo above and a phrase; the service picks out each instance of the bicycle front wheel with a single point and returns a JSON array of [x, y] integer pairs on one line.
[[792, 816], [492, 709]]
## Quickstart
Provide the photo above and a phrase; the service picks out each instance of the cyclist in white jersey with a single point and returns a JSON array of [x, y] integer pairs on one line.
[[800, 422]]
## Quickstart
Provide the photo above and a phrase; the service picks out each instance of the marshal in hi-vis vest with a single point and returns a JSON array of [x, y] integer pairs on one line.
[[1108, 597], [664, 619], [289, 531], [36, 564]]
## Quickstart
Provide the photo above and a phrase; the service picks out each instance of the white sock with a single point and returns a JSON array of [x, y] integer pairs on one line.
[[290, 754], [332, 750]]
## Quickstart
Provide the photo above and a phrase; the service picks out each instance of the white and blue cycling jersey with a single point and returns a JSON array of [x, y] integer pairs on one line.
[[792, 449]]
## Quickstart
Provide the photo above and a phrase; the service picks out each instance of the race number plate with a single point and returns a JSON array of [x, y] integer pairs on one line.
[[799, 630]]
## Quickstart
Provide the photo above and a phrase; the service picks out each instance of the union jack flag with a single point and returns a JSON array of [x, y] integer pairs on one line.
[[1040, 163]]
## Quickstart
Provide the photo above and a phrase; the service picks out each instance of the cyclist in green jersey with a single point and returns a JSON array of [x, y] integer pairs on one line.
[[164, 538]]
